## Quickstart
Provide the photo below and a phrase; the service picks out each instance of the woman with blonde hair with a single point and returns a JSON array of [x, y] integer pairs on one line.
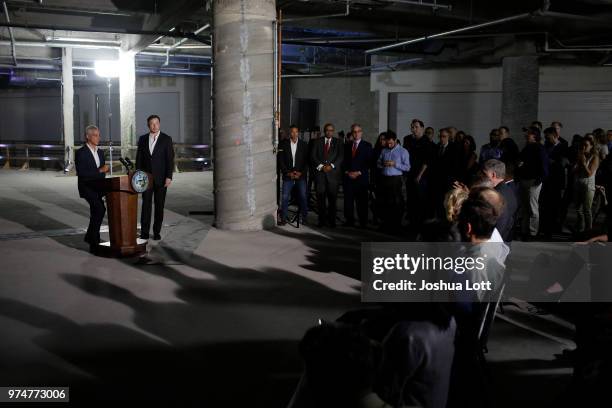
[[585, 169], [452, 203]]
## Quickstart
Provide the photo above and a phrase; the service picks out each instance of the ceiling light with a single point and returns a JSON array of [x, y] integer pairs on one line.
[[107, 68]]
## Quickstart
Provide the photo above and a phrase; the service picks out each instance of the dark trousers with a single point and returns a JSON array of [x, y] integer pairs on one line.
[[551, 203], [392, 201], [157, 194], [355, 192], [96, 215], [288, 185], [416, 201]]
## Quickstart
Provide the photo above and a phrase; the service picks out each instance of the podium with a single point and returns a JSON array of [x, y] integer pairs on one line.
[[122, 208]]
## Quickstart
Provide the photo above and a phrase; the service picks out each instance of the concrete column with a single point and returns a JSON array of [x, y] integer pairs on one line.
[[68, 105], [127, 100], [245, 164], [520, 90]]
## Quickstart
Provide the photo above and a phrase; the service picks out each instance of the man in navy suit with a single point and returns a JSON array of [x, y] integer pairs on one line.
[[155, 155], [90, 166], [293, 164], [326, 159], [356, 165]]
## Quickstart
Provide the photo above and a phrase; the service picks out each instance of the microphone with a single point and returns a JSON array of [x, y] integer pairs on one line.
[[125, 164], [129, 162]]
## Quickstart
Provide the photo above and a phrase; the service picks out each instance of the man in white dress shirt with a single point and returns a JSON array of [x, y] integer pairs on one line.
[[155, 155], [90, 166]]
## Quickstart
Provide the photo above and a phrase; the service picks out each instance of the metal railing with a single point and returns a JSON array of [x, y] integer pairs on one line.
[[22, 154]]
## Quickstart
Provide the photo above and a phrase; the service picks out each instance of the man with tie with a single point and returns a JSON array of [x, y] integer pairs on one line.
[[357, 163], [155, 155], [326, 158], [293, 164], [90, 166]]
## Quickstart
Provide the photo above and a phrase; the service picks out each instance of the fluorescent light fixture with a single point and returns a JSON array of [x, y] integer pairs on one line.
[[107, 68], [82, 40]]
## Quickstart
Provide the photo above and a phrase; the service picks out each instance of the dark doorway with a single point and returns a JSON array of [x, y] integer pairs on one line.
[[308, 114]]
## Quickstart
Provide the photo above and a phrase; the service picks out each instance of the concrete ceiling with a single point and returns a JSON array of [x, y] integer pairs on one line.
[[570, 32]]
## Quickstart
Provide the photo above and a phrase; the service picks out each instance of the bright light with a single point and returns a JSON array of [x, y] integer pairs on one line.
[[83, 40], [107, 68]]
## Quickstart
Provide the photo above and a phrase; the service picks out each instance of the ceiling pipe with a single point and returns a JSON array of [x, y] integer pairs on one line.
[[358, 69], [182, 47], [455, 31], [10, 29], [196, 32], [174, 33], [433, 5], [44, 66], [569, 48], [56, 44], [365, 40], [345, 14], [163, 54], [182, 41], [168, 71]]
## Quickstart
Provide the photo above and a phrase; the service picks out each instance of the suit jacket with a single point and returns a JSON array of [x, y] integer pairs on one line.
[[557, 164], [443, 166], [361, 162], [88, 172], [285, 159], [505, 222], [160, 163], [335, 156]]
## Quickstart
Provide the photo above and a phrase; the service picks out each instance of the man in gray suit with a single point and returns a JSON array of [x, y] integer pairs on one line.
[[326, 159]]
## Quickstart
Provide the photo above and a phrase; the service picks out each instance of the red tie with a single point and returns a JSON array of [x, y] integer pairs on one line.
[[326, 150], [354, 149]]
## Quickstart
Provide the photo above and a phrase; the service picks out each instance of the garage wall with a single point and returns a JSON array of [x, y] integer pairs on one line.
[[470, 98], [34, 114], [31, 114], [477, 111], [342, 101]]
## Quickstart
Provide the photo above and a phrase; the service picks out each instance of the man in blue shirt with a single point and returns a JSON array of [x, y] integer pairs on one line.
[[393, 162]]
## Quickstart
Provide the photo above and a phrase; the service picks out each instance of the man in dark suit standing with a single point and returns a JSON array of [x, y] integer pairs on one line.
[[495, 170], [326, 158], [292, 161], [443, 163], [90, 166], [356, 165], [551, 196], [155, 155]]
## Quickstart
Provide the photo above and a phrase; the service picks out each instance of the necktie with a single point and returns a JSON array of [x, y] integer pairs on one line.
[[354, 149], [326, 150]]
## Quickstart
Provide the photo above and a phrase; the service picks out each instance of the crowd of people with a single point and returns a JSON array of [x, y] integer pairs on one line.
[[406, 183], [431, 355]]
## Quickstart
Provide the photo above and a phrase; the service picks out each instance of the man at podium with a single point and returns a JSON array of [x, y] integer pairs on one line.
[[90, 166], [155, 155]]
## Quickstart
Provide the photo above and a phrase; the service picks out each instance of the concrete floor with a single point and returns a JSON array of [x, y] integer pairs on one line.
[[210, 317]]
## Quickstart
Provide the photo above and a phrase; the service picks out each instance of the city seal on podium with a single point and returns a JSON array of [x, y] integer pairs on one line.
[[140, 181]]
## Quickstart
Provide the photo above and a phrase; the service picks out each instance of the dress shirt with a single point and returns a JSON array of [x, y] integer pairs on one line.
[[152, 141], [293, 150], [399, 155], [94, 152]]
